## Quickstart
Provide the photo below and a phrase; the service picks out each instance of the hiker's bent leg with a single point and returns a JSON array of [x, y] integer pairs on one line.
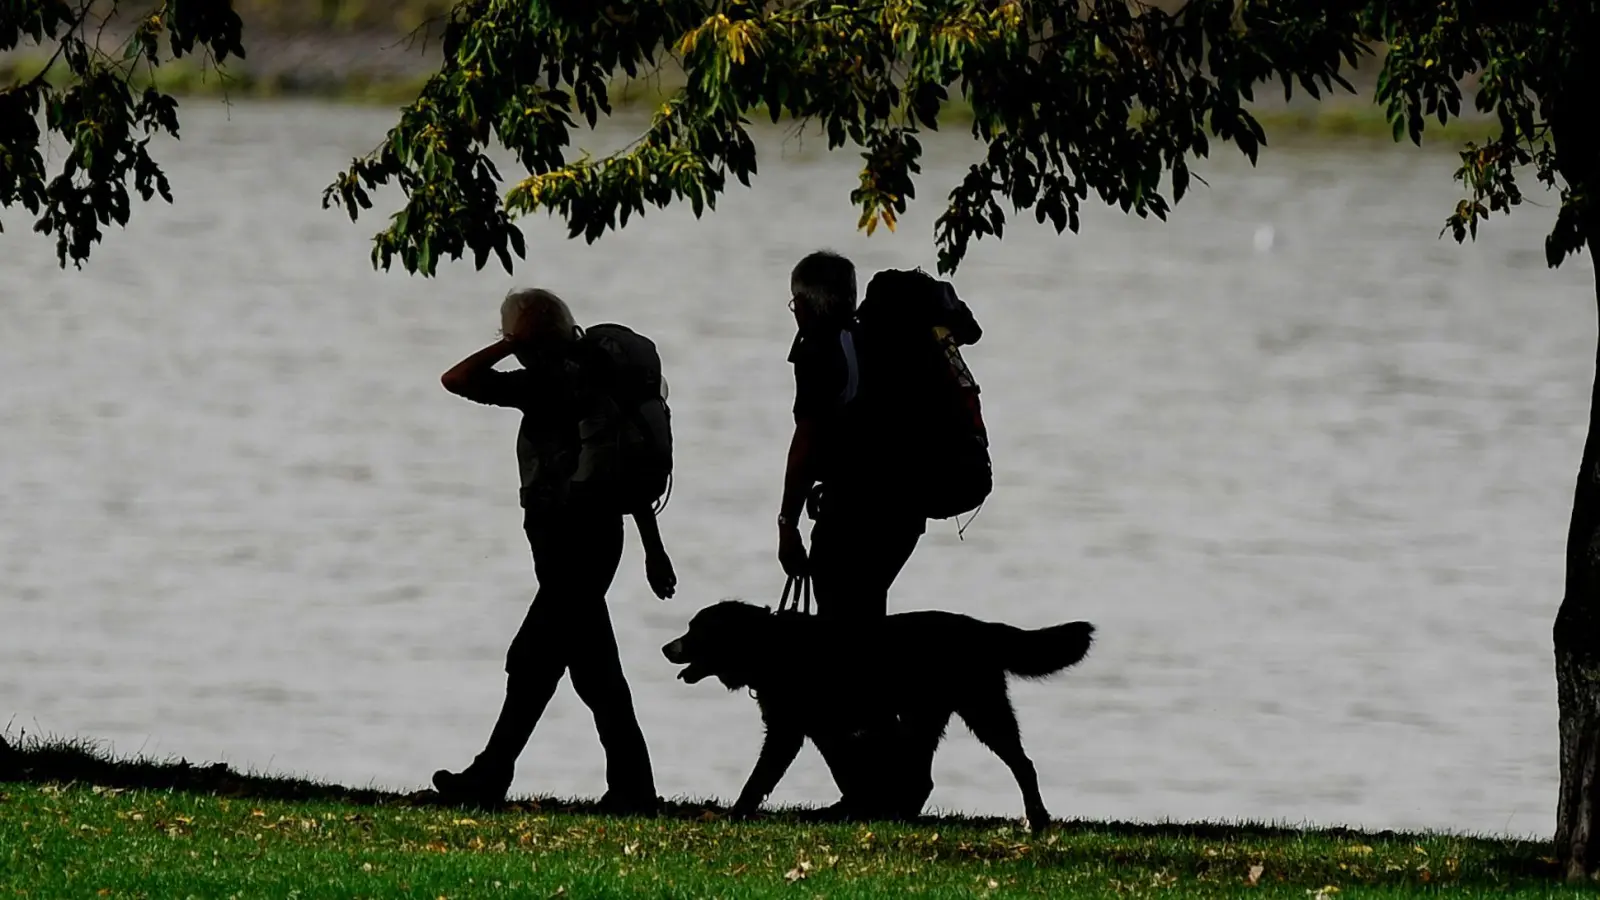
[[596, 665], [856, 553], [538, 655], [887, 546], [534, 666]]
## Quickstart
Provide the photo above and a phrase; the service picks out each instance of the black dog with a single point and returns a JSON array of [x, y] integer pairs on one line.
[[838, 686]]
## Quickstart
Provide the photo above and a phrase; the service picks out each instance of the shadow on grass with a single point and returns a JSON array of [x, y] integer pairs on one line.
[[54, 761]]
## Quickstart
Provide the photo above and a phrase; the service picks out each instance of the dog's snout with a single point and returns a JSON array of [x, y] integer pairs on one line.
[[673, 651]]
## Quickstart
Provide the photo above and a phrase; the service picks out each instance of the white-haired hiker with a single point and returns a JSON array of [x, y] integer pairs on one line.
[[575, 532]]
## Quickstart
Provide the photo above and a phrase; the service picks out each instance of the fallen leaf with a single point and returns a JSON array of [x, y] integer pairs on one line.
[[1255, 874], [993, 884]]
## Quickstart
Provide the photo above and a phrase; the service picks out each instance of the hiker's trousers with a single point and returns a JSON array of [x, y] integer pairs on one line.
[[858, 547], [576, 551]]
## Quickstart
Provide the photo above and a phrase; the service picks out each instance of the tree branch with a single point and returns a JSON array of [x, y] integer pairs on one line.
[[61, 45]]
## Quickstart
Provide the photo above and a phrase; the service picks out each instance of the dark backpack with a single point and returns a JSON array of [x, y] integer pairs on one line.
[[625, 428], [920, 398]]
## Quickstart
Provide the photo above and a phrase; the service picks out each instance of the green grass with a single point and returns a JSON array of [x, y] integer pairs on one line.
[[74, 823]]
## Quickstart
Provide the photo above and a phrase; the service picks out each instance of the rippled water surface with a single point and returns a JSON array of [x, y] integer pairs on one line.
[[1306, 467]]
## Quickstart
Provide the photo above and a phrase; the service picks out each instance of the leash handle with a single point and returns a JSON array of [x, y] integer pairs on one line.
[[802, 595]]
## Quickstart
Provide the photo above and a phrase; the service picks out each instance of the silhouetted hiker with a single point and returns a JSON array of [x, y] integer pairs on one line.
[[888, 433], [862, 535], [594, 445], [888, 430]]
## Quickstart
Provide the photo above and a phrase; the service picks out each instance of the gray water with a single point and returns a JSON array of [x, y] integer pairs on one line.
[[1306, 466]]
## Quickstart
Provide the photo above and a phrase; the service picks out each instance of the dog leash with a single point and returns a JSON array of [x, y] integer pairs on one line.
[[803, 594]]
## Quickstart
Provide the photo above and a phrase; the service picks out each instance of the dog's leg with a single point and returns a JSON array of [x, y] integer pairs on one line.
[[778, 750], [920, 740], [993, 722]]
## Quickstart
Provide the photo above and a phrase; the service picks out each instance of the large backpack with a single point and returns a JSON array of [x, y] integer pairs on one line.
[[918, 394], [625, 427]]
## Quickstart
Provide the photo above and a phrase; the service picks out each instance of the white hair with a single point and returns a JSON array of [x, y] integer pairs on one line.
[[535, 311]]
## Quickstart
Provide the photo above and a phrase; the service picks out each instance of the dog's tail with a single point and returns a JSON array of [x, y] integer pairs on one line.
[[1043, 651]]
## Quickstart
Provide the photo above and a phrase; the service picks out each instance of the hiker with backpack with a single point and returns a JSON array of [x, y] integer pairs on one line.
[[888, 432], [594, 446]]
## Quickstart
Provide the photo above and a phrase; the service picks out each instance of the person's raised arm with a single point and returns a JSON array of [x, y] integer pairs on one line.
[[465, 374], [476, 378]]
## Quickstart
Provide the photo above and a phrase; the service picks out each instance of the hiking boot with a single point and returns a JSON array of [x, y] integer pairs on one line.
[[473, 785], [616, 804]]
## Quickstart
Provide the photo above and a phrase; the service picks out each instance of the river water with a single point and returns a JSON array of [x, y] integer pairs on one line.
[[1306, 466]]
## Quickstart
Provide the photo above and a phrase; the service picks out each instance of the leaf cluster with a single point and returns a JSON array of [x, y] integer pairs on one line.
[[105, 124], [1071, 100], [1537, 64]]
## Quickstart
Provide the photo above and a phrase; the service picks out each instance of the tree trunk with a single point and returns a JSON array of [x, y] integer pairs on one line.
[[1577, 645]]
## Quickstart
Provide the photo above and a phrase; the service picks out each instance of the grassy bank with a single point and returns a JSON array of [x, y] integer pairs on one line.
[[75, 824], [331, 67]]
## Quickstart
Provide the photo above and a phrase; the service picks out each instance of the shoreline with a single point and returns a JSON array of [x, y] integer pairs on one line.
[[78, 823], [383, 68], [81, 761]]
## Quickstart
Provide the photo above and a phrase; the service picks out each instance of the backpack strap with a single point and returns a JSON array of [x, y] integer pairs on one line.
[[803, 592], [852, 366]]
